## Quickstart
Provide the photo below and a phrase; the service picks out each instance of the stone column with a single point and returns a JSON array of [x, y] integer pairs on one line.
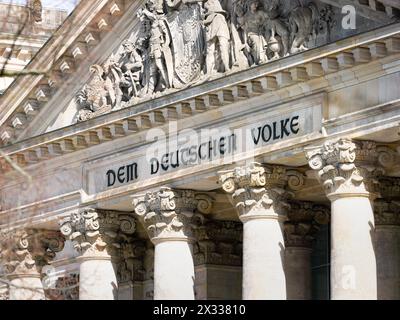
[[304, 219], [347, 171], [169, 217], [23, 254], [260, 198], [387, 248], [98, 235]]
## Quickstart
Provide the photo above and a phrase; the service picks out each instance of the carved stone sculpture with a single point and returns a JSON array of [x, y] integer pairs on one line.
[[36, 9], [303, 24], [25, 252], [171, 213], [97, 232], [253, 24], [183, 42], [217, 37]]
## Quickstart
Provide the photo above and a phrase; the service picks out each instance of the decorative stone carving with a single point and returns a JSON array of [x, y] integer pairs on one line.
[[99, 96], [36, 10], [260, 187], [219, 243], [148, 263], [346, 166], [183, 42], [389, 188], [303, 26], [98, 232], [131, 267], [25, 252], [67, 288], [304, 220], [387, 212], [171, 213]]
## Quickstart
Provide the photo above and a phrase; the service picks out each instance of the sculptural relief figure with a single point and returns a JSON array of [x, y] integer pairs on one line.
[[131, 66], [180, 43], [253, 23], [276, 26], [159, 52], [303, 23], [99, 95], [239, 54], [36, 9], [217, 37]]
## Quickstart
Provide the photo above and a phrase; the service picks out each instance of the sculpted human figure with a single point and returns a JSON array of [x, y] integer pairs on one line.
[[253, 24], [131, 64], [238, 51], [275, 25], [36, 9], [159, 53], [217, 36]]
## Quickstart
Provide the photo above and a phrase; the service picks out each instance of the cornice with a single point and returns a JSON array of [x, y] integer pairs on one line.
[[262, 80], [63, 53]]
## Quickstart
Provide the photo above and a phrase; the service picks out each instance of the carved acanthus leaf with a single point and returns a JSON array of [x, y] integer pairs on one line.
[[27, 251], [304, 222], [171, 213], [387, 212], [98, 232], [258, 188], [219, 243], [345, 166]]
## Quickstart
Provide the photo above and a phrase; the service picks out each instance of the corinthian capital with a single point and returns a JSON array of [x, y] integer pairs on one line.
[[219, 243], [130, 264], [98, 232], [169, 213], [304, 222], [258, 187], [25, 252], [345, 166], [389, 187], [387, 213]]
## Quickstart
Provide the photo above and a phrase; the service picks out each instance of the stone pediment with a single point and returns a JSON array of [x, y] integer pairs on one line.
[[122, 54]]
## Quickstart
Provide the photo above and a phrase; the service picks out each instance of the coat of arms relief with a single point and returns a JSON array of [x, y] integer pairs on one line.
[[181, 43]]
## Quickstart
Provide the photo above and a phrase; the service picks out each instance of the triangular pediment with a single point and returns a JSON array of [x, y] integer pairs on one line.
[[110, 55]]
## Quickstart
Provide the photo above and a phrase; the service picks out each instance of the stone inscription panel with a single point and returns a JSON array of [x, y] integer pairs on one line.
[[167, 153]]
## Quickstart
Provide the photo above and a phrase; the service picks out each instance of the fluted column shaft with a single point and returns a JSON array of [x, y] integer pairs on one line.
[[169, 217], [97, 235]]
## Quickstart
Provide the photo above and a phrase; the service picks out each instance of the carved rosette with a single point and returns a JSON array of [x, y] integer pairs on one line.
[[345, 166], [387, 213], [25, 252], [170, 213], [256, 189], [219, 243], [98, 232], [304, 222]]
